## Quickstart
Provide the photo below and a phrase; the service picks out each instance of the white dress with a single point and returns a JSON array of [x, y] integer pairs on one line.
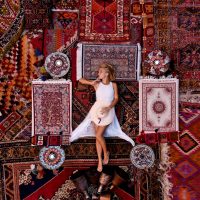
[[86, 128]]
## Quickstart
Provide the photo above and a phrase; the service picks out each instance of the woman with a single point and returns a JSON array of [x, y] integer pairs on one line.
[[104, 123]]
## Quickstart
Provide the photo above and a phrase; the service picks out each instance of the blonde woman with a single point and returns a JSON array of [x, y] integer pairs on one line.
[[101, 120]]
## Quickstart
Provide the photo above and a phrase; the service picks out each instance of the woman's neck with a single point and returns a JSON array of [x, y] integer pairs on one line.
[[105, 81]]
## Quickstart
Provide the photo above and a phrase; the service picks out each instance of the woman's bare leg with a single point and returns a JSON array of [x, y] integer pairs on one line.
[[102, 142], [99, 153]]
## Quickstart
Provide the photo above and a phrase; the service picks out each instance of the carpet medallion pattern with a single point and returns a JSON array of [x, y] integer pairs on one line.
[[158, 104]]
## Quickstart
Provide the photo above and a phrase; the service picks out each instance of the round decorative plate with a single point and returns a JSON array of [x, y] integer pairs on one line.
[[57, 64], [52, 157], [142, 156], [157, 62]]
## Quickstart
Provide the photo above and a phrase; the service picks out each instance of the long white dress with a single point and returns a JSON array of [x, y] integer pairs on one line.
[[104, 93]]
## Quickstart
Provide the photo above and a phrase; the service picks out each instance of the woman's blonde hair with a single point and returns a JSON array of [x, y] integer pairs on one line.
[[109, 69]]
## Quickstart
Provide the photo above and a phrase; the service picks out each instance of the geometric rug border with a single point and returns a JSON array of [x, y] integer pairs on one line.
[[190, 151]]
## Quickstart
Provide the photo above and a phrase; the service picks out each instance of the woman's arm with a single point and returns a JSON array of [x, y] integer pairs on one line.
[[89, 82], [85, 81]]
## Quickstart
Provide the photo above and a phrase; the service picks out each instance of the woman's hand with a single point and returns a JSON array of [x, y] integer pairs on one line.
[[95, 82], [105, 109]]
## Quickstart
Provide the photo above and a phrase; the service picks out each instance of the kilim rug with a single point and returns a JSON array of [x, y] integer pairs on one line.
[[17, 69], [64, 34], [11, 18], [144, 9], [136, 29], [37, 14], [16, 127], [185, 154], [105, 21], [158, 104], [52, 104], [127, 108], [124, 58], [161, 24]]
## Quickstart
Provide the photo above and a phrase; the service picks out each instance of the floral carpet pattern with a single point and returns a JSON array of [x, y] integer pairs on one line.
[[52, 103], [158, 105], [124, 58]]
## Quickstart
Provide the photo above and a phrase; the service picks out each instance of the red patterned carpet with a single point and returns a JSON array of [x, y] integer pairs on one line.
[[115, 25], [177, 32], [64, 34], [11, 22], [185, 173], [124, 58], [144, 10], [172, 26]]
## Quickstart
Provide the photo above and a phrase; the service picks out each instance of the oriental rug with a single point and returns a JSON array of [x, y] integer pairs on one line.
[[158, 104], [64, 34], [136, 29], [177, 32], [105, 21], [15, 173], [37, 14], [52, 109], [17, 69], [11, 18], [13, 156], [28, 185], [124, 58], [185, 173], [184, 25], [16, 127], [66, 5], [144, 9]]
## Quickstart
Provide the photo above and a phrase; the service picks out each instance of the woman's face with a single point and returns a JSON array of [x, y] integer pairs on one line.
[[102, 73]]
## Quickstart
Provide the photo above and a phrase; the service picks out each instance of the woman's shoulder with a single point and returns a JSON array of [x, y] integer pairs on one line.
[[114, 84]]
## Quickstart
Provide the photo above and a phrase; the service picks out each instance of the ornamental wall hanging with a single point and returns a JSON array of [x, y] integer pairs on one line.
[[52, 157], [57, 64], [157, 63], [142, 156]]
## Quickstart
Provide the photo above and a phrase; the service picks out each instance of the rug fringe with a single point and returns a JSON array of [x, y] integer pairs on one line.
[[165, 166]]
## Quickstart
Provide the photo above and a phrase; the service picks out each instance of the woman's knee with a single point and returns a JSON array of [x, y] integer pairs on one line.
[[98, 135]]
